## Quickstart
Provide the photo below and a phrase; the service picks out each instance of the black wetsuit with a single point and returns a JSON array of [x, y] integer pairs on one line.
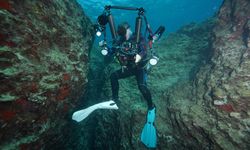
[[129, 68]]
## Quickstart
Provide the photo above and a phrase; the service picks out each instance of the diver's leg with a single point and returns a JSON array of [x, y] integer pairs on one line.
[[115, 76], [141, 77]]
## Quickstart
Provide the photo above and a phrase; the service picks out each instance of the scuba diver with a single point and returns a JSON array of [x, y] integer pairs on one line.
[[131, 64], [135, 55]]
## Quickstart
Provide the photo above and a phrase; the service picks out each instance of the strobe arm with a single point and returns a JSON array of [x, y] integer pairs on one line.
[[108, 7], [112, 26], [111, 20], [148, 26], [138, 25]]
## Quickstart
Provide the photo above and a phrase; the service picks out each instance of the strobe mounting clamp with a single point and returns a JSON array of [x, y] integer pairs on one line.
[[141, 11]]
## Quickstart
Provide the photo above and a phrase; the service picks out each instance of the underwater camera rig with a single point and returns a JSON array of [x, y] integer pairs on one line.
[[107, 18]]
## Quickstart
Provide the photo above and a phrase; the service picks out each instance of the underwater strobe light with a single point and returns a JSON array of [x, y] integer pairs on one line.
[[104, 51], [154, 60], [98, 33], [98, 30], [102, 20]]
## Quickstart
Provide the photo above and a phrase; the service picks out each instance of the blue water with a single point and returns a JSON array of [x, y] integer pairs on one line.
[[171, 13]]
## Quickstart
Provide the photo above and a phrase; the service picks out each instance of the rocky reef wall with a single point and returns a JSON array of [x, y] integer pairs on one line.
[[44, 50], [212, 112]]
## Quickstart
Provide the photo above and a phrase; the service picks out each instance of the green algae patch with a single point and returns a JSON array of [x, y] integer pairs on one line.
[[57, 56], [50, 82], [3, 48], [244, 92], [10, 71], [37, 97], [7, 97]]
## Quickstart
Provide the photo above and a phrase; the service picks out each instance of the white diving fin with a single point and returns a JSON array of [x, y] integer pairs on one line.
[[84, 113]]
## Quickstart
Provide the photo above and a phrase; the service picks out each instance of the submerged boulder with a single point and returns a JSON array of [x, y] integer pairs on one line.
[[44, 48]]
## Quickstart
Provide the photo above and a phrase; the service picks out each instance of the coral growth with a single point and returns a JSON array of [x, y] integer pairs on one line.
[[226, 107], [5, 4], [64, 92], [7, 115]]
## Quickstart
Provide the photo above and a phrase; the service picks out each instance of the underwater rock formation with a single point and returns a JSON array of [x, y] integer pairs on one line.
[[44, 48], [181, 55], [213, 111], [200, 87]]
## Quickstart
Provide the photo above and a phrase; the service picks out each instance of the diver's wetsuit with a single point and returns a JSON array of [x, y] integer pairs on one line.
[[130, 69]]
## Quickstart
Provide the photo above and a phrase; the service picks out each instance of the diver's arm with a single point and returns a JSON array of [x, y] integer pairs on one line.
[[142, 49], [142, 53]]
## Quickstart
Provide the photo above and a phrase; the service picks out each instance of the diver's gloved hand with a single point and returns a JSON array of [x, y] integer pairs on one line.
[[137, 58]]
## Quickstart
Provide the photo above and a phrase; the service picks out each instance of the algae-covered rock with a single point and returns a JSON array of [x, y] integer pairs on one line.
[[220, 91], [44, 48]]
